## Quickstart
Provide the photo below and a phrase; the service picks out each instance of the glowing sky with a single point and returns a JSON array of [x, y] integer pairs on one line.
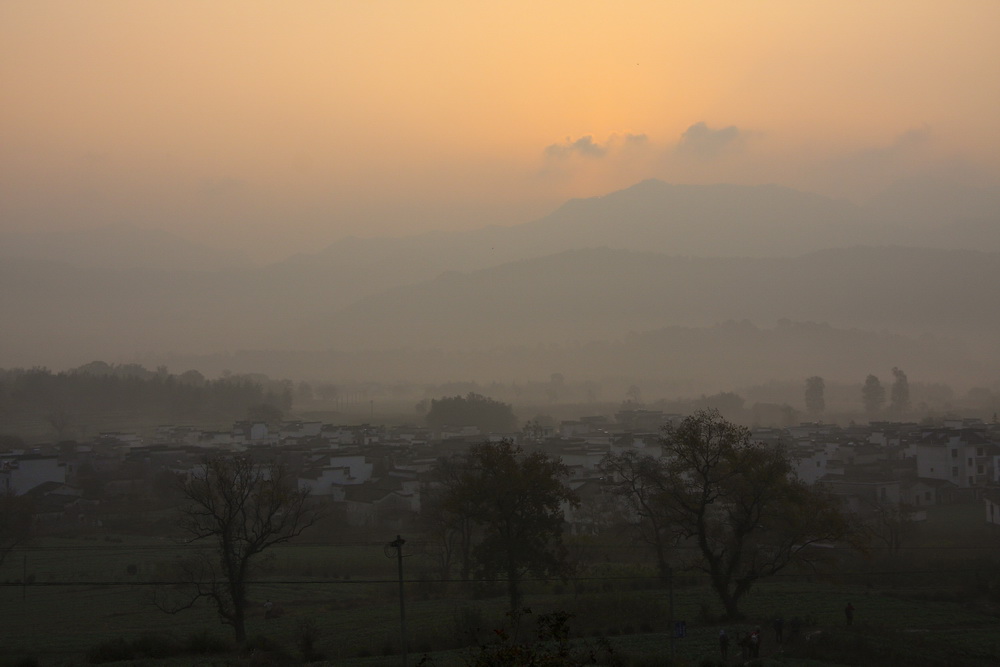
[[280, 126]]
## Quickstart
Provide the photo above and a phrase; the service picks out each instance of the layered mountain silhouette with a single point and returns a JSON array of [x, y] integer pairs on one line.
[[653, 257]]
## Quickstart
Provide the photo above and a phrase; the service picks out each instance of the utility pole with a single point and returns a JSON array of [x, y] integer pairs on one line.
[[397, 545], [673, 630]]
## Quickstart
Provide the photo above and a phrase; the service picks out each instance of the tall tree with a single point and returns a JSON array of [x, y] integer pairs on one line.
[[515, 499], [872, 395], [240, 508], [641, 482], [899, 396], [815, 402], [740, 506]]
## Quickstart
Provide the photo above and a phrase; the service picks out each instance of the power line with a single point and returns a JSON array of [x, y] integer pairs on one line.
[[423, 581]]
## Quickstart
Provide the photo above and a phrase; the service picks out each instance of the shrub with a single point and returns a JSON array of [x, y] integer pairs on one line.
[[112, 650], [264, 643], [155, 646], [26, 661], [148, 645], [468, 624], [308, 633], [203, 642]]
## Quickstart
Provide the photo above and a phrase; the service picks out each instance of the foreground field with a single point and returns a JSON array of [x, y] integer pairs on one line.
[[89, 598], [339, 605]]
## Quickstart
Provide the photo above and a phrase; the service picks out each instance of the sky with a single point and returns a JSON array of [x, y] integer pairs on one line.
[[279, 127]]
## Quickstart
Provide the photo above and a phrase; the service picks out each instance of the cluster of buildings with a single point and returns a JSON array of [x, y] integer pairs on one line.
[[376, 474]]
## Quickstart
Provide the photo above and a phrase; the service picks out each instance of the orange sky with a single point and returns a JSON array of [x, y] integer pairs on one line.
[[277, 126]]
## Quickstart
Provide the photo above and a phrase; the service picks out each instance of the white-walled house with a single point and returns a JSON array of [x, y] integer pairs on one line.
[[338, 471], [962, 457], [809, 463], [20, 474]]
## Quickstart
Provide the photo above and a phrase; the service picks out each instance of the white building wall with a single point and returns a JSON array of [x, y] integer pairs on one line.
[[19, 476]]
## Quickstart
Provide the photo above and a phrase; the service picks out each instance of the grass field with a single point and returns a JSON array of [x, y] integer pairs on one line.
[[356, 619], [937, 604]]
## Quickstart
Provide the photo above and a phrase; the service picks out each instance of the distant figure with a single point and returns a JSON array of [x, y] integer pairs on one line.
[[744, 643], [755, 643], [268, 606], [779, 629], [724, 644], [849, 613]]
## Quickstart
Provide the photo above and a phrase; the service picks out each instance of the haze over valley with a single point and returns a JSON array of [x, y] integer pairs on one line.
[[451, 194], [711, 287]]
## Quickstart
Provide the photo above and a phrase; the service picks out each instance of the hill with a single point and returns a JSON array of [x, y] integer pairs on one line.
[[597, 269]]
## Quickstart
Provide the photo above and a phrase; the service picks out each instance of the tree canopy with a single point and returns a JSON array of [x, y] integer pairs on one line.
[[900, 392], [815, 401], [485, 413], [515, 500], [873, 395], [740, 506]]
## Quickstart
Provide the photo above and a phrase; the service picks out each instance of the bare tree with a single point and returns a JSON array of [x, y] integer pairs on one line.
[[60, 419], [641, 482], [241, 508], [889, 524]]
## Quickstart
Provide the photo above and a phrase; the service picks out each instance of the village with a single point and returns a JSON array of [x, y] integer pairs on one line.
[[373, 476]]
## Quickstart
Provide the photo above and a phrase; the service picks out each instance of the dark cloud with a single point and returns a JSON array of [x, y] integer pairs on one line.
[[703, 141], [585, 146]]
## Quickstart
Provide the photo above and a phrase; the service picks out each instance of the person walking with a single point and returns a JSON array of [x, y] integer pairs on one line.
[[779, 629], [849, 613]]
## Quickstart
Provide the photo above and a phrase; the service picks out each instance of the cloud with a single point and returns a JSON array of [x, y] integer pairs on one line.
[[635, 139], [702, 141], [585, 146], [621, 158]]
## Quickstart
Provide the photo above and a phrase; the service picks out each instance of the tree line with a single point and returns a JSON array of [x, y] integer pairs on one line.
[[101, 388], [873, 394]]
